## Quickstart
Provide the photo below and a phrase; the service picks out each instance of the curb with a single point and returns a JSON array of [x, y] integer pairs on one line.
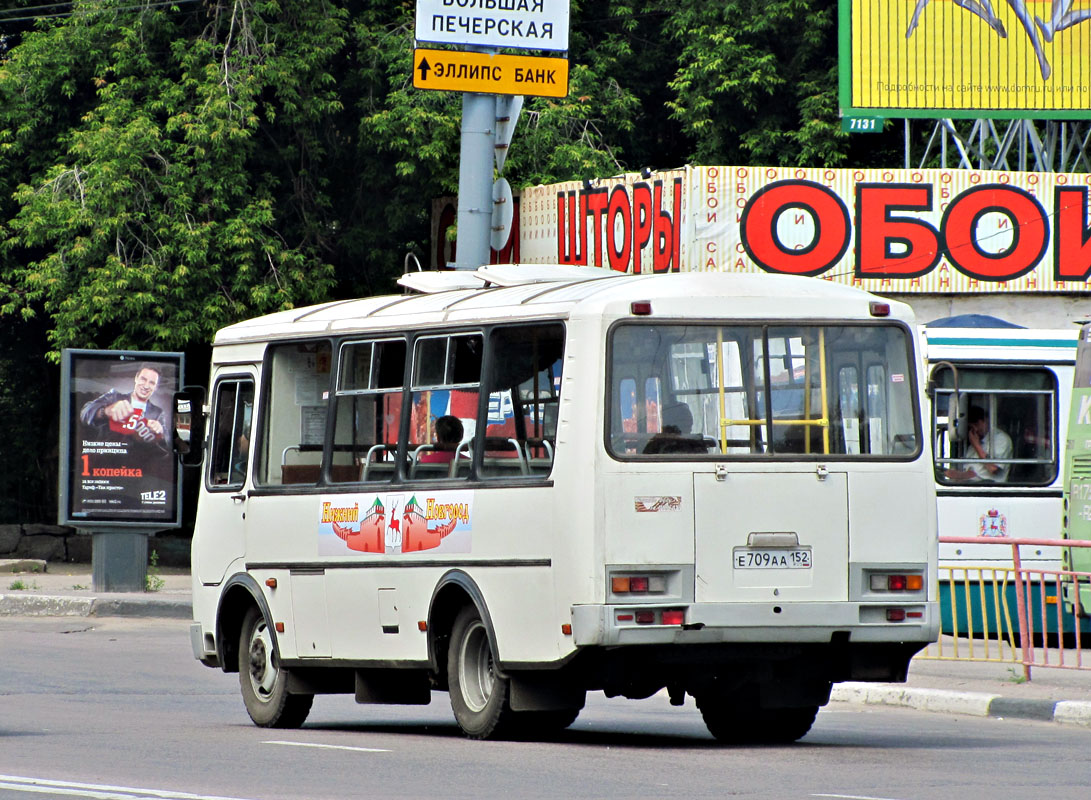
[[976, 704], [112, 605]]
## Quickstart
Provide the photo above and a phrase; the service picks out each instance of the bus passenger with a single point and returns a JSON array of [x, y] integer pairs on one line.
[[675, 436], [987, 443], [449, 433]]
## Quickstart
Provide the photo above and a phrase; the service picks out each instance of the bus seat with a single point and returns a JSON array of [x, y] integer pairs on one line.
[[300, 473]]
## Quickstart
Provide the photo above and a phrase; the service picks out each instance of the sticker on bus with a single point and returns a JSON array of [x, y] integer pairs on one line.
[[395, 522]]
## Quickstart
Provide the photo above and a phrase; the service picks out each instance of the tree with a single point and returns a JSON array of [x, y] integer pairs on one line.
[[151, 221]]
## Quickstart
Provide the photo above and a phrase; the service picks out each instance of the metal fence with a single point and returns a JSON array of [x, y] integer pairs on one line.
[[1015, 614]]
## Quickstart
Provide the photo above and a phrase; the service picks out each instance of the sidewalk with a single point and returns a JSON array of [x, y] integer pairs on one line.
[[993, 689], [31, 588]]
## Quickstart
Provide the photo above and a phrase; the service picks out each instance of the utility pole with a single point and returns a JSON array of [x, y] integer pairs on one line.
[[475, 180]]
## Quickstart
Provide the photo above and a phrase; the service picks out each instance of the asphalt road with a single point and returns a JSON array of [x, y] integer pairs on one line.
[[118, 708]]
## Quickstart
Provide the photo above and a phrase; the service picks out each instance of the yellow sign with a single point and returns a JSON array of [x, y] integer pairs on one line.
[[1013, 55], [463, 71]]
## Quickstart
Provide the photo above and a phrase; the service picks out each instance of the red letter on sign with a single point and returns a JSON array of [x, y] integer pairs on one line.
[[888, 247], [829, 240], [596, 207], [571, 229], [642, 221], [1072, 237], [619, 207], [1030, 233]]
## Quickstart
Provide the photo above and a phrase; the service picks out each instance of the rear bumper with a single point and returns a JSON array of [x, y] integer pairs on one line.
[[710, 623]]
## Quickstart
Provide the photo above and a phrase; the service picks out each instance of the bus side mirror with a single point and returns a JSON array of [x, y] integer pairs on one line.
[[188, 434], [958, 412]]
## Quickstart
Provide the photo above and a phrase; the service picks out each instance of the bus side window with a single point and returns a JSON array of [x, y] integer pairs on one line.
[[446, 384], [294, 414], [368, 401], [523, 382], [231, 433]]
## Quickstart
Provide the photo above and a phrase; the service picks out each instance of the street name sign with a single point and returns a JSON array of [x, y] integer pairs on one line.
[[518, 24], [465, 71]]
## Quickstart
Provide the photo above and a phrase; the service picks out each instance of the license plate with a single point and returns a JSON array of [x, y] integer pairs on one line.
[[778, 558]]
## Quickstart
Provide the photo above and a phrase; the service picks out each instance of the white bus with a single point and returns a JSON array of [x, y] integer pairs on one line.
[[1020, 380], [708, 484]]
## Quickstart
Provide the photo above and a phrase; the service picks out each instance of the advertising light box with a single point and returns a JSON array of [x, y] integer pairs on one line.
[[117, 467]]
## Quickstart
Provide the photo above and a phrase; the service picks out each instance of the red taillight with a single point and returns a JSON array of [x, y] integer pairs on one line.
[[895, 615], [638, 584], [645, 617], [879, 309], [896, 583], [640, 308], [674, 616]]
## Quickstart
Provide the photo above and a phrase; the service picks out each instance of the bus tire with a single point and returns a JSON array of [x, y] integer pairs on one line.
[[735, 722], [479, 693], [264, 684], [534, 724]]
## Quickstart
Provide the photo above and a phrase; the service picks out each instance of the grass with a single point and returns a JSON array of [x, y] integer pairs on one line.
[[19, 585], [153, 582]]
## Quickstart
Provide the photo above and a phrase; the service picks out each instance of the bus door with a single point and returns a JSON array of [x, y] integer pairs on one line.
[[223, 507], [764, 536]]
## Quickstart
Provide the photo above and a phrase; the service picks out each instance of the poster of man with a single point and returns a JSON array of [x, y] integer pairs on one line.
[[118, 462]]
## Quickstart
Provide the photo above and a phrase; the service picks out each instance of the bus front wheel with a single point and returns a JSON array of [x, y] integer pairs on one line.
[[479, 693], [264, 684]]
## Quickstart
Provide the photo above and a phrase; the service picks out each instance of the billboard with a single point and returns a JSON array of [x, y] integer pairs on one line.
[[117, 465], [892, 230], [951, 58]]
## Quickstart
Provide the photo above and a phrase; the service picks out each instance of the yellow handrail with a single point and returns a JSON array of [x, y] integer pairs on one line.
[[822, 387], [720, 378]]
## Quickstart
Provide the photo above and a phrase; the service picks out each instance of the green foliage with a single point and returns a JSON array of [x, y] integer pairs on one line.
[[757, 81], [153, 220]]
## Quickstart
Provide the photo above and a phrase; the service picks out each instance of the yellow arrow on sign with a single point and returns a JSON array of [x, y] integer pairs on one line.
[[463, 71]]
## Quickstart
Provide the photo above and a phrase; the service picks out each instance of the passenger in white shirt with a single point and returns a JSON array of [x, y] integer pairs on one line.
[[986, 443]]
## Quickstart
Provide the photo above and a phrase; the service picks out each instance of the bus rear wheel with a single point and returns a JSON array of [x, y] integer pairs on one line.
[[734, 722], [479, 693], [263, 683]]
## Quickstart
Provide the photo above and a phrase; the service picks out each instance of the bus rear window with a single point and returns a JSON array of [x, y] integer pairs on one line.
[[762, 390]]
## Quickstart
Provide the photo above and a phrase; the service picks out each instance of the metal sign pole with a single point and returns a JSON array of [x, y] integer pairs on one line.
[[475, 181], [119, 560]]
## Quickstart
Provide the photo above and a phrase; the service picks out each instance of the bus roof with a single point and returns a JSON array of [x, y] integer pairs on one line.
[[1002, 344], [513, 292]]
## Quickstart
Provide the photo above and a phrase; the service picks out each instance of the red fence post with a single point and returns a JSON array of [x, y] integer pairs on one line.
[[1021, 606]]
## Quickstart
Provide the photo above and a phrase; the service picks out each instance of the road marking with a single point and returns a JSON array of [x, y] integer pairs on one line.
[[331, 747], [97, 791], [852, 797]]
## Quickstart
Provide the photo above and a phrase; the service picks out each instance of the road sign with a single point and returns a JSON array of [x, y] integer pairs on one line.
[[463, 71], [519, 24], [503, 212], [507, 116]]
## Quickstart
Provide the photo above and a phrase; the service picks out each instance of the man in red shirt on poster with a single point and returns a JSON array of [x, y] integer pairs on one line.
[[130, 414]]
